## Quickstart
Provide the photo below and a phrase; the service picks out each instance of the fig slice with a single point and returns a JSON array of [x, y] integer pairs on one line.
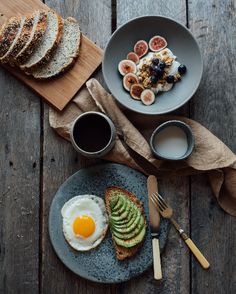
[[136, 90], [141, 48], [126, 66], [133, 56], [157, 43], [147, 97], [128, 80]]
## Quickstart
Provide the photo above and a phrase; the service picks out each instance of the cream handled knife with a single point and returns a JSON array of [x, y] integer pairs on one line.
[[155, 224]]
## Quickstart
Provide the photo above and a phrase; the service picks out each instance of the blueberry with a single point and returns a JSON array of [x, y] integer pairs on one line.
[[158, 71], [153, 79], [170, 79], [155, 61], [152, 67], [162, 65], [182, 69]]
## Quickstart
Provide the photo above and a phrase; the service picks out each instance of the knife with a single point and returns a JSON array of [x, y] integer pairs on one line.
[[155, 225]]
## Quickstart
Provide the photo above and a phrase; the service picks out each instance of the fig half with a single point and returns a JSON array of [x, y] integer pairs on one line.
[[136, 90], [157, 43], [126, 66], [147, 97], [128, 80], [141, 48], [133, 56]]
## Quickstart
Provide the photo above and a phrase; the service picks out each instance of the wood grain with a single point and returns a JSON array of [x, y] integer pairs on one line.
[[58, 91], [214, 106], [175, 260], [19, 189], [61, 160]]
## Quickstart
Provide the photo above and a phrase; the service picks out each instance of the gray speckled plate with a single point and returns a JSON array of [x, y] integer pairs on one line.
[[100, 264]]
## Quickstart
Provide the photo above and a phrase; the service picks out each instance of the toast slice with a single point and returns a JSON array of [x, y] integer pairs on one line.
[[48, 44], [122, 252], [37, 32], [65, 54], [8, 34]]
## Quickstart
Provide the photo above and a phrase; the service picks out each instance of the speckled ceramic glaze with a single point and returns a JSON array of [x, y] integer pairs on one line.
[[100, 264]]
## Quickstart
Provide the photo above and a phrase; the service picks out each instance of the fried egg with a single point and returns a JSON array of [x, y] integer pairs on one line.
[[85, 221]]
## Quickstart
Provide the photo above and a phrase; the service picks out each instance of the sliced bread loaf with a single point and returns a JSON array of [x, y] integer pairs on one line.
[[8, 34], [49, 42], [65, 54], [37, 32]]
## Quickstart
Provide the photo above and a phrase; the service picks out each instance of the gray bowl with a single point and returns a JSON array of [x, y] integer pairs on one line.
[[183, 126], [180, 41]]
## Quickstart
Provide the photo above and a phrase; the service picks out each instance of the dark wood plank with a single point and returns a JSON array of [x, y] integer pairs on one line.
[[175, 260], [19, 189], [213, 23], [60, 159]]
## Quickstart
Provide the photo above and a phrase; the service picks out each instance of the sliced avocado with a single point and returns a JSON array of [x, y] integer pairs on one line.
[[113, 201], [133, 241], [128, 235], [121, 223], [130, 219], [121, 209], [124, 215], [119, 203], [139, 222]]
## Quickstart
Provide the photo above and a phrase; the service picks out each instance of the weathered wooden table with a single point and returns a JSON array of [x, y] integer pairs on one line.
[[34, 162]]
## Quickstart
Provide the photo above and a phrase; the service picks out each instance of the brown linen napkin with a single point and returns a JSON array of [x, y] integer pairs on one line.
[[132, 148]]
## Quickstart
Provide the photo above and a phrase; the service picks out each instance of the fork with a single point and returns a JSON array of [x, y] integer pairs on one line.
[[166, 211]]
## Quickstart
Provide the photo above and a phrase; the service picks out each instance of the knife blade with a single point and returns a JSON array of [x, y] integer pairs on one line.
[[154, 225]]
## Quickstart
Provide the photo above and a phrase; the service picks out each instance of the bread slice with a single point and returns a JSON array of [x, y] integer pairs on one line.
[[8, 34], [37, 32], [5, 57], [122, 252], [65, 54], [49, 42], [23, 38]]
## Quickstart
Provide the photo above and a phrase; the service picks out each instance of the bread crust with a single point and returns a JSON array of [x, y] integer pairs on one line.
[[122, 252]]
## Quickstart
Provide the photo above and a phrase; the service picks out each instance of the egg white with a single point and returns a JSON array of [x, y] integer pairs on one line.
[[89, 205]]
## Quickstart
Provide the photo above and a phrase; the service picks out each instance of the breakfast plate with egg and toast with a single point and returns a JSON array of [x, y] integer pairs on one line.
[[99, 224]]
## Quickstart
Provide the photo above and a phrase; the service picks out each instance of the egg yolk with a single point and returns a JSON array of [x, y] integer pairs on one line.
[[83, 226]]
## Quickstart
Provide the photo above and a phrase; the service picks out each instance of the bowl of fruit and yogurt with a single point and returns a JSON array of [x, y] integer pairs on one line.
[[149, 69]]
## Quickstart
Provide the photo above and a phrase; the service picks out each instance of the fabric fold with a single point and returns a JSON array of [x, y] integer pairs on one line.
[[210, 154]]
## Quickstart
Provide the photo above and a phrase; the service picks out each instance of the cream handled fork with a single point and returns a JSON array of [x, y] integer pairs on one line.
[[166, 211]]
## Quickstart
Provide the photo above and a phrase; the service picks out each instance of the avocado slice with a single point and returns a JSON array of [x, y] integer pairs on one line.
[[113, 201], [124, 215], [133, 241], [122, 209], [130, 218], [139, 221], [132, 233], [119, 203]]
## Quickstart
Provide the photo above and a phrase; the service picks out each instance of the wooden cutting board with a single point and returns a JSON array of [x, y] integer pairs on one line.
[[58, 91]]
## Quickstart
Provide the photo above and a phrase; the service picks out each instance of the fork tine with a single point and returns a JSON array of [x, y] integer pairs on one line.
[[159, 200], [160, 197], [155, 202]]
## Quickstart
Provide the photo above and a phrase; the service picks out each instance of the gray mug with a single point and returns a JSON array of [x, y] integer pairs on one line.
[[93, 134]]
